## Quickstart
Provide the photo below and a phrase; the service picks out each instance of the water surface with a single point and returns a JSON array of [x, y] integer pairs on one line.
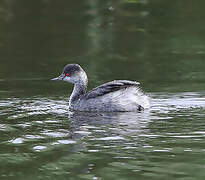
[[158, 43], [40, 139]]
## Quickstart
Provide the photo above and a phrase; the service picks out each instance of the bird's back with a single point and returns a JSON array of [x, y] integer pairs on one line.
[[120, 95]]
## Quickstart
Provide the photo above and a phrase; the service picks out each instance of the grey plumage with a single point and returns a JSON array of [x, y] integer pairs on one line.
[[110, 87], [117, 95]]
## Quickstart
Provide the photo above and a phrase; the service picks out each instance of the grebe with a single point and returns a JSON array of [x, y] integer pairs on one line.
[[114, 96]]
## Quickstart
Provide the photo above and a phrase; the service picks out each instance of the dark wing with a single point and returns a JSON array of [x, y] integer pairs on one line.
[[110, 87]]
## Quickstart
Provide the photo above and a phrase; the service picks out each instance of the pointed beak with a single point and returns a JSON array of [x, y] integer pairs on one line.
[[59, 78]]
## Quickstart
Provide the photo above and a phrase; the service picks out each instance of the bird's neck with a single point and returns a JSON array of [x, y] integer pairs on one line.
[[78, 90]]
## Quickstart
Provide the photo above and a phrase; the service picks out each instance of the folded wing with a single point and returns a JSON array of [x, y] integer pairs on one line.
[[111, 87]]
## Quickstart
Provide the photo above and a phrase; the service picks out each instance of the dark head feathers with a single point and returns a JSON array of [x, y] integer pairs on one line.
[[72, 69]]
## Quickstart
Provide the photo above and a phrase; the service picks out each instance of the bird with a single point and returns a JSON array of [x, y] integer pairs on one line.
[[114, 96]]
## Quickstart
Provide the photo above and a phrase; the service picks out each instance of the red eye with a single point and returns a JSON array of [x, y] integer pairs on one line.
[[66, 74]]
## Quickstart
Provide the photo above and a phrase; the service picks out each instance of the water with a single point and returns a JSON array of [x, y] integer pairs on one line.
[[158, 43], [41, 140]]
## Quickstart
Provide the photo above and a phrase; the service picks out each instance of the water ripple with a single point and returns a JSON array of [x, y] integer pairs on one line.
[[171, 130]]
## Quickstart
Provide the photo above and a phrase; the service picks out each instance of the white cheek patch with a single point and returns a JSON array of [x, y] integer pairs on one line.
[[83, 75], [74, 78]]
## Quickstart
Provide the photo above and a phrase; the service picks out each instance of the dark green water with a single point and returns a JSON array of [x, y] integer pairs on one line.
[[159, 43]]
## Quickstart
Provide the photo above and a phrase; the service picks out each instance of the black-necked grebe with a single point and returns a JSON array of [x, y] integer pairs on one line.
[[117, 95]]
